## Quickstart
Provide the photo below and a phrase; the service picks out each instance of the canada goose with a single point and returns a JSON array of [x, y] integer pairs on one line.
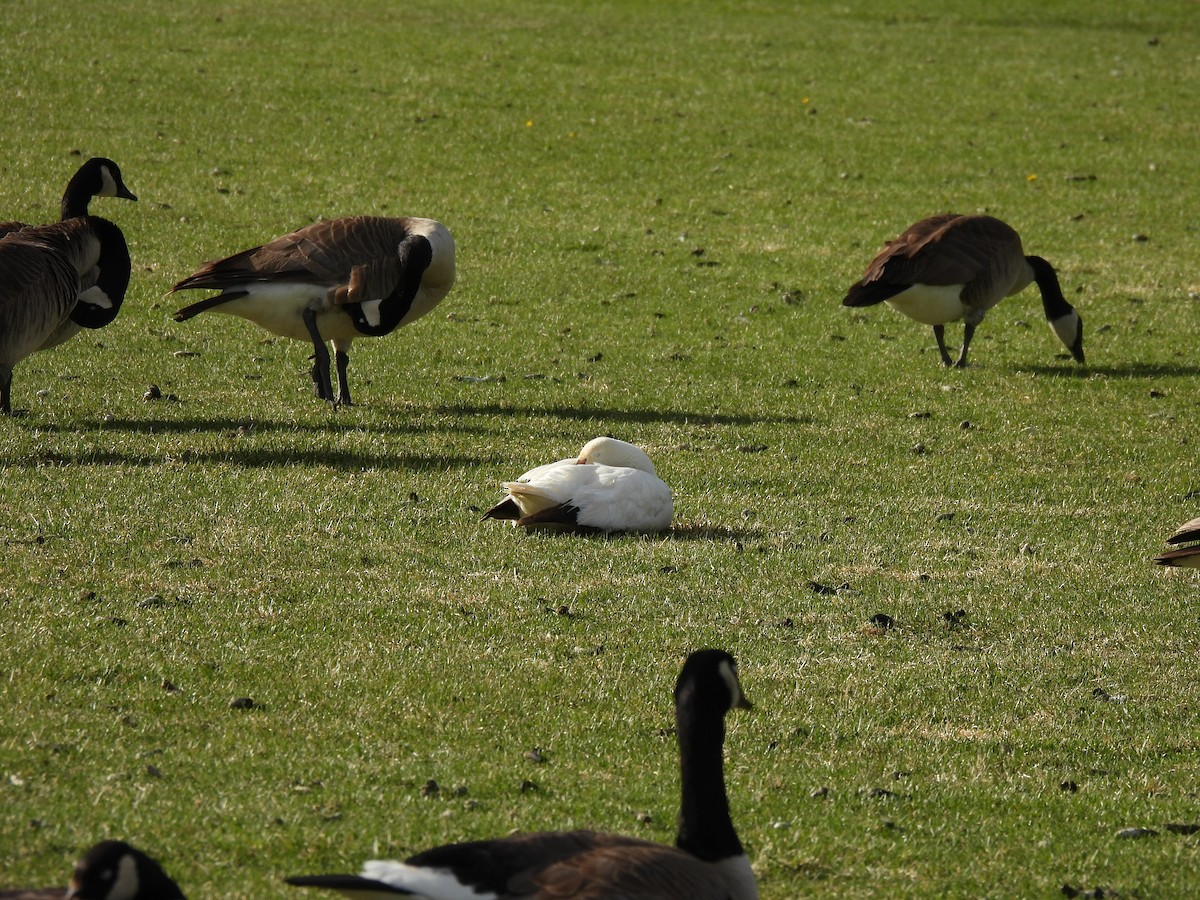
[[610, 486], [333, 281], [55, 279], [110, 870], [707, 862], [98, 177], [1184, 557], [952, 267]]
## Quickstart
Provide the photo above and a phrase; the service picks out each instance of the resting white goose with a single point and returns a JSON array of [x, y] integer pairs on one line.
[[610, 486], [110, 870], [952, 267], [1187, 557], [706, 863], [334, 281]]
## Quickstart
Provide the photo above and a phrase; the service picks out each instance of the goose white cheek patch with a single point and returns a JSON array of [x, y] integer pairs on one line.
[[370, 309], [109, 183], [93, 296]]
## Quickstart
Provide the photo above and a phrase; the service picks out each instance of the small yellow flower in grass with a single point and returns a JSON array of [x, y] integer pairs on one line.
[[804, 101], [1031, 177], [529, 123]]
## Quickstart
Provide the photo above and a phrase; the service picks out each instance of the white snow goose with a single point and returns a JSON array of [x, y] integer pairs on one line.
[[610, 486], [706, 863], [334, 280], [952, 267]]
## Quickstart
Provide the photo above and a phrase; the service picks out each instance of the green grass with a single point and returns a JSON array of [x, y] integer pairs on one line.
[[658, 208]]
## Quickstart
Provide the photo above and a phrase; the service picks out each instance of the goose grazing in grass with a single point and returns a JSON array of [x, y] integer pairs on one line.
[[707, 862], [952, 267], [610, 486], [111, 870], [55, 279], [1187, 557], [98, 177], [333, 281]]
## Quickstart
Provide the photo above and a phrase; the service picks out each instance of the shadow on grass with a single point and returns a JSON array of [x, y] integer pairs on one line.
[[254, 458], [624, 415], [1132, 370], [687, 531], [225, 424]]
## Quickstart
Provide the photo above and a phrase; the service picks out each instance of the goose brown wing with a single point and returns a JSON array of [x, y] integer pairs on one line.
[[325, 252], [629, 871], [40, 283]]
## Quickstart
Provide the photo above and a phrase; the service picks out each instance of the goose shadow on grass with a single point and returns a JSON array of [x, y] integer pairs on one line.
[[1130, 370], [679, 532], [643, 416], [225, 424], [250, 458]]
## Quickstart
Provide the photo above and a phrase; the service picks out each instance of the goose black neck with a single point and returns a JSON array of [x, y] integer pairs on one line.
[[78, 195], [705, 828], [415, 253], [1053, 301], [112, 277]]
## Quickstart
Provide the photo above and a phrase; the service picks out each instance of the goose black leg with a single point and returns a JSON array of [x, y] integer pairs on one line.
[[939, 332], [968, 333], [342, 360], [320, 371], [6, 390]]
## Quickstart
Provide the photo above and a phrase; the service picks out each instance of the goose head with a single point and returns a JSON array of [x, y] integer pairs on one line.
[[98, 177], [115, 870], [608, 451]]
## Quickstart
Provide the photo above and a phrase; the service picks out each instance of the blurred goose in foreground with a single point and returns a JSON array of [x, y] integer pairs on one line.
[[707, 862], [55, 279], [333, 281], [98, 177], [111, 870], [1184, 557], [610, 486], [952, 267]]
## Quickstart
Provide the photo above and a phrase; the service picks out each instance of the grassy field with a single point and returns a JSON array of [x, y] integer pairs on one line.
[[658, 208]]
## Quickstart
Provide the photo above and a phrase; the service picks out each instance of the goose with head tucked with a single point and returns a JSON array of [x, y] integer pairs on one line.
[[110, 870], [610, 486], [952, 267], [334, 280], [1186, 541], [54, 280], [706, 863]]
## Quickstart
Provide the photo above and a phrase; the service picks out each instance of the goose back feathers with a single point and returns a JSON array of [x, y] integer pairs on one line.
[[55, 279], [610, 486], [708, 862], [950, 267], [334, 281]]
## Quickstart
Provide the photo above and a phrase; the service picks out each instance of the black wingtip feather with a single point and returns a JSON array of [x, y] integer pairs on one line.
[[207, 303]]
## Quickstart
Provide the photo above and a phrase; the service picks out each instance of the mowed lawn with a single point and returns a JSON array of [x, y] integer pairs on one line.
[[658, 208]]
